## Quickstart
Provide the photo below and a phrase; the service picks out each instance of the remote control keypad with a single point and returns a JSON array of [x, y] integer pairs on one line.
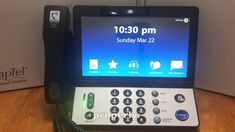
[[127, 102], [133, 106]]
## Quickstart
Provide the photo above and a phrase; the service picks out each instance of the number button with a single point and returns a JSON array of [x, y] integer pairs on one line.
[[114, 109], [114, 118], [127, 93], [141, 119], [127, 119], [127, 110], [127, 101], [140, 101], [140, 110], [140, 93], [114, 92], [114, 101]]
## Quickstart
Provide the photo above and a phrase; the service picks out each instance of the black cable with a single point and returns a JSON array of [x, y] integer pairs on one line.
[[71, 124], [57, 125], [62, 119]]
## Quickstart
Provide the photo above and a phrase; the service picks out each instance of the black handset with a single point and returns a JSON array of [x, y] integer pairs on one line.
[[56, 43]]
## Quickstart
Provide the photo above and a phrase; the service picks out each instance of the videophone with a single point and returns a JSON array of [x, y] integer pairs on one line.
[[123, 65]]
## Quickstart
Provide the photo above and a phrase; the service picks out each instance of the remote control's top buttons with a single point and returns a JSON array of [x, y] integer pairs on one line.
[[140, 110], [155, 93], [140, 101], [114, 109], [140, 93], [89, 115], [114, 118], [127, 93], [127, 110], [127, 101], [114, 92], [179, 98], [141, 119], [114, 101], [128, 119], [157, 120], [156, 110], [182, 115], [90, 100], [155, 101]]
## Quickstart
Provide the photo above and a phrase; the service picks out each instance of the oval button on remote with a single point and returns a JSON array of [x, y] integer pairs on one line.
[[182, 115], [90, 100]]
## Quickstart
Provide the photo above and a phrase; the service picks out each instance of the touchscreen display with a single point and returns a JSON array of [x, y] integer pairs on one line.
[[135, 46]]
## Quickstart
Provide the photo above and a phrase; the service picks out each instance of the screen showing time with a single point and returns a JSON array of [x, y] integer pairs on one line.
[[135, 46]]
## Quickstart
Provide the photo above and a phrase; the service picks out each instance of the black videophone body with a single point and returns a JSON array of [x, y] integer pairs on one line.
[[114, 62]]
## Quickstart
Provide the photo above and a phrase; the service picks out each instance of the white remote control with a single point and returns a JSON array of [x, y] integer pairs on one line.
[[134, 106]]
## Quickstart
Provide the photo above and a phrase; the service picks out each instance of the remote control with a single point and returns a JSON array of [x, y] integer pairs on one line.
[[134, 106]]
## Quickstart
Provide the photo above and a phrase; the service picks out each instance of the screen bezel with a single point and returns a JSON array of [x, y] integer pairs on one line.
[[142, 11]]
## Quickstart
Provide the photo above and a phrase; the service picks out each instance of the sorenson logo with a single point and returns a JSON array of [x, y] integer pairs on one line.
[[13, 75]]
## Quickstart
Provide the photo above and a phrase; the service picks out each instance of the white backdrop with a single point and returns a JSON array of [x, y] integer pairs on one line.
[[21, 39]]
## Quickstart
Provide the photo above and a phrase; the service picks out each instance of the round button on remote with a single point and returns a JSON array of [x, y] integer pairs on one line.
[[127, 110], [114, 109], [182, 115], [140, 93], [141, 119], [127, 101], [154, 93], [114, 92], [157, 120], [127, 119], [114, 101], [155, 101], [140, 110], [89, 115], [179, 98], [156, 110], [140, 101], [127, 93], [114, 118]]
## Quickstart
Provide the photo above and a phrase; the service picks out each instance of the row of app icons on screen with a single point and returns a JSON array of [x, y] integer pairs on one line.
[[134, 65]]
